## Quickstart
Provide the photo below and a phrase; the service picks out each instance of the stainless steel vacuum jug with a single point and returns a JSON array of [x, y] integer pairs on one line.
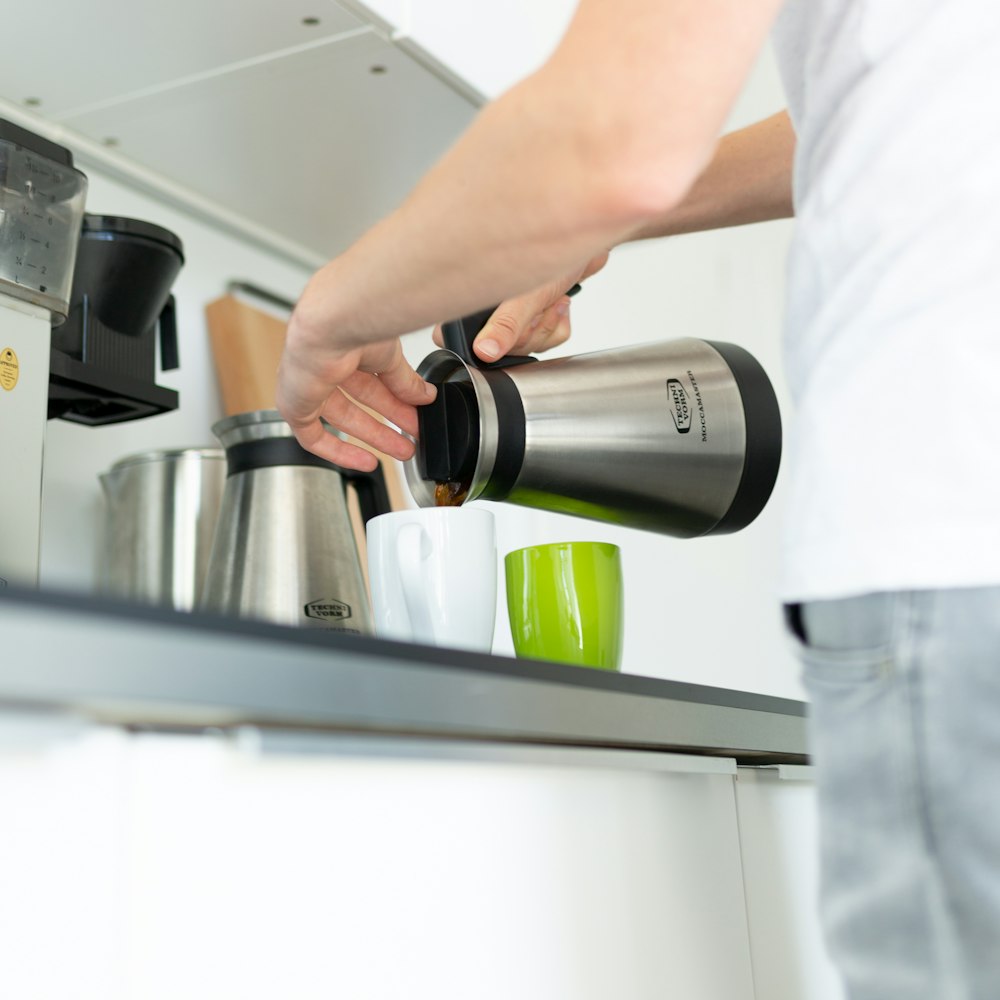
[[161, 508], [284, 546], [681, 438]]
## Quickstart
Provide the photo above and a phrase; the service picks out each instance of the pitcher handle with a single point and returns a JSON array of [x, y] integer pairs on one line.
[[410, 543], [371, 490]]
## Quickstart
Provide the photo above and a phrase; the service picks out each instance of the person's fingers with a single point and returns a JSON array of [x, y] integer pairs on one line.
[[375, 392], [509, 325], [304, 383], [393, 388], [552, 332], [343, 413], [371, 391], [403, 382], [314, 388], [549, 322], [516, 322], [316, 438]]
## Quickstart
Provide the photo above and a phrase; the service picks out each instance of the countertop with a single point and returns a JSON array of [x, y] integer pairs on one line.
[[114, 662]]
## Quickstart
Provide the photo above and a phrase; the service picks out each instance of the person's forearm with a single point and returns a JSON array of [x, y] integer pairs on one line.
[[506, 208], [570, 162], [748, 180]]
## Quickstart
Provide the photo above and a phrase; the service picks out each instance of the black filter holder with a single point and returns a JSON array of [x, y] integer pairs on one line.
[[103, 366]]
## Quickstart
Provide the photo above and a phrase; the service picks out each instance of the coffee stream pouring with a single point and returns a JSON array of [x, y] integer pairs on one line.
[[681, 438]]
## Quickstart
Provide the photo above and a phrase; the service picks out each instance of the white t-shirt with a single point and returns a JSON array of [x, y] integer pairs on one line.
[[893, 324]]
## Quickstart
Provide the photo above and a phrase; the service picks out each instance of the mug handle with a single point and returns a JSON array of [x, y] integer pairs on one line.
[[410, 542]]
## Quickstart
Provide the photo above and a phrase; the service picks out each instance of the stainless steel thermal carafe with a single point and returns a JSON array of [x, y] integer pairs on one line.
[[681, 438], [160, 514], [284, 548]]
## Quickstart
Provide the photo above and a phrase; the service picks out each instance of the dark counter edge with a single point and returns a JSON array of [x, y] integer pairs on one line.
[[617, 693]]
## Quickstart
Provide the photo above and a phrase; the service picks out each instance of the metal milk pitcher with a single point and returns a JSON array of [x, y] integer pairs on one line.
[[160, 513], [284, 548], [681, 438]]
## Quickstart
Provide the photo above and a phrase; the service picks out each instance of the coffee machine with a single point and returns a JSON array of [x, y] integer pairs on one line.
[[682, 438], [81, 299]]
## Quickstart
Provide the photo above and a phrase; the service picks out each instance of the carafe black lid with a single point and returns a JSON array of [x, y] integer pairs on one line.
[[448, 437], [112, 226]]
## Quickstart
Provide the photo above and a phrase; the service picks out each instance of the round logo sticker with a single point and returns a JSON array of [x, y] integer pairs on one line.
[[9, 368]]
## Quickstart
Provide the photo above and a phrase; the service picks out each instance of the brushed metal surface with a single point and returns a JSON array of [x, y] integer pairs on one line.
[[161, 509], [253, 426], [602, 441], [284, 548]]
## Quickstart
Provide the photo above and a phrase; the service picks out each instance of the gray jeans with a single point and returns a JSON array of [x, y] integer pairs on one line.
[[905, 734]]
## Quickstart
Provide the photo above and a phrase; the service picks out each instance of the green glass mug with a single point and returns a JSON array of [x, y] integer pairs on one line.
[[565, 603]]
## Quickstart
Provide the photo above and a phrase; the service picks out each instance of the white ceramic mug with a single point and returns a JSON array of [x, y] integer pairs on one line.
[[433, 576]]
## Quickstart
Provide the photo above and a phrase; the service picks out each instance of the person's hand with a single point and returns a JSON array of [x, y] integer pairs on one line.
[[318, 381], [530, 323]]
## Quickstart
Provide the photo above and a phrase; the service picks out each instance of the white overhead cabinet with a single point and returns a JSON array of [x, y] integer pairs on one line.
[[105, 52], [309, 121], [316, 146], [306, 120]]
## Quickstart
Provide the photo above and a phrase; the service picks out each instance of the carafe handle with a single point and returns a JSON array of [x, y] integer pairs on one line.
[[458, 335], [373, 494]]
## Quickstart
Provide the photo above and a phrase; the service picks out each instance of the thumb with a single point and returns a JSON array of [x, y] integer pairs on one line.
[[510, 323]]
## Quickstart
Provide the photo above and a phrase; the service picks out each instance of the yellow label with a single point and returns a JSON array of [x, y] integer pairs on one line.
[[10, 368]]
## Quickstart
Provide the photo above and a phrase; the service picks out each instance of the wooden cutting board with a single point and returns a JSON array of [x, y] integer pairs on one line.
[[246, 345]]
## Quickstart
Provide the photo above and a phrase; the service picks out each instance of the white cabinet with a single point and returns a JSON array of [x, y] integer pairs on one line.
[[373, 877], [778, 839], [212, 866], [166, 866], [64, 838]]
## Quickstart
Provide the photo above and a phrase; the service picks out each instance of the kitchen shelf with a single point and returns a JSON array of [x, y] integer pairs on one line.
[[120, 663]]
